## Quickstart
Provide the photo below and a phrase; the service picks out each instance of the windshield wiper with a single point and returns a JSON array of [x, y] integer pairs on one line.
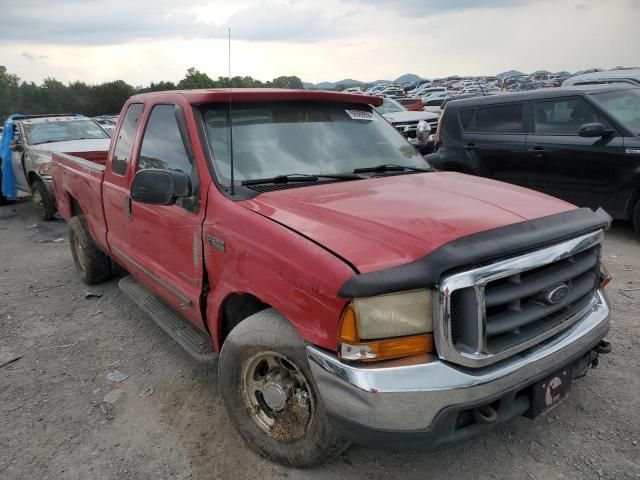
[[389, 167], [296, 177]]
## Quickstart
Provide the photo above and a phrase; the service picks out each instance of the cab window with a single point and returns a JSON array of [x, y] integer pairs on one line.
[[164, 147]]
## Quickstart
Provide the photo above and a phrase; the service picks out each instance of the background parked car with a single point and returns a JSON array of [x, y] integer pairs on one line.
[[631, 76], [581, 144], [33, 140], [107, 122], [411, 104], [406, 122], [392, 92], [434, 103]]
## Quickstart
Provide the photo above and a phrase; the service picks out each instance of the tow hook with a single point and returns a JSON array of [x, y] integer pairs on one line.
[[485, 414], [603, 347]]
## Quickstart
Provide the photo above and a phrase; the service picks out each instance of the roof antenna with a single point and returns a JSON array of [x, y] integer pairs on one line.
[[230, 122]]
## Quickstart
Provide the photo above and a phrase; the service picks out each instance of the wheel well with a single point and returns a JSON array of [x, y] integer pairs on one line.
[[33, 177], [634, 198], [235, 309]]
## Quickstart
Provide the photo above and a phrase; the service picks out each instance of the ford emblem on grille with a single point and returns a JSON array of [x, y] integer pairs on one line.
[[556, 294]]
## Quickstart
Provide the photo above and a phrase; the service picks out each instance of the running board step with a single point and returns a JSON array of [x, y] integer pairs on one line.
[[196, 342]]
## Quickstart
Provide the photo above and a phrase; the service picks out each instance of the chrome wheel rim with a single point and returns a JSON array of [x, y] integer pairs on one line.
[[79, 253], [277, 396]]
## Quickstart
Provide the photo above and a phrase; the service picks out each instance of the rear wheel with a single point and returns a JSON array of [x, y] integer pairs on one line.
[[43, 200], [92, 264], [635, 217], [270, 395]]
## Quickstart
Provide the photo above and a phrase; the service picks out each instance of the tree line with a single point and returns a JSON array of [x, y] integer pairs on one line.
[[53, 96]]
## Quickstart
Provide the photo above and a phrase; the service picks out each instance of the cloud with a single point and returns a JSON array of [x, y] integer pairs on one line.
[[422, 8], [151, 40], [33, 56], [279, 21], [113, 22]]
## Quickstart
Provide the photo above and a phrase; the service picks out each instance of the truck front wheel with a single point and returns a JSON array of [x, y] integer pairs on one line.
[[92, 264], [43, 200], [270, 395]]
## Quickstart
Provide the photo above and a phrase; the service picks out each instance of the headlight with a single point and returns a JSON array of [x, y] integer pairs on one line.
[[423, 131], [45, 169], [387, 326]]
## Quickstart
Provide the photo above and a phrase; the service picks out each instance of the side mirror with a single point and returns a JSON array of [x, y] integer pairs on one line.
[[160, 187], [423, 131], [592, 130], [16, 146]]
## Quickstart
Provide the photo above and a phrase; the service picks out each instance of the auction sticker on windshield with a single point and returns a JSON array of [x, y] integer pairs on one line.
[[360, 115]]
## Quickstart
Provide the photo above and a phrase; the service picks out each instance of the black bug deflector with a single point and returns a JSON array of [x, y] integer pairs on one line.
[[474, 249]]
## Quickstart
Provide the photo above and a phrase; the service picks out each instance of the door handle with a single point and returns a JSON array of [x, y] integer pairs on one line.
[[538, 152], [470, 146]]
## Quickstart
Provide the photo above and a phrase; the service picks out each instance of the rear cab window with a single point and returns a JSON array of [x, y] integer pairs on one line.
[[126, 136]]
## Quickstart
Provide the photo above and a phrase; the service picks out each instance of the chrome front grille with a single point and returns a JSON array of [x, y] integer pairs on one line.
[[495, 311], [410, 129]]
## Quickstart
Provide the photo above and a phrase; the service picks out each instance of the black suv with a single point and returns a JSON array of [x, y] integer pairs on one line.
[[581, 143]]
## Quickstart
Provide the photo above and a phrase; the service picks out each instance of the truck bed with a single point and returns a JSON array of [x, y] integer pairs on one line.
[[77, 181]]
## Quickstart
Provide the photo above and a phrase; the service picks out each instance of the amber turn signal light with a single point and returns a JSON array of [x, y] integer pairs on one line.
[[605, 277], [350, 347]]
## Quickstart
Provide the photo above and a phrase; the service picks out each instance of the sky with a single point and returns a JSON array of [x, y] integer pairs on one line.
[[140, 41]]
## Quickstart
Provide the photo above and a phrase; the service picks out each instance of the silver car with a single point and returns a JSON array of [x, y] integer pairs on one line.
[[35, 137]]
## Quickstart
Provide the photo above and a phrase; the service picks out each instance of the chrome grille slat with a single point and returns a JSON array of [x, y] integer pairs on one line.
[[533, 311], [505, 307], [540, 281]]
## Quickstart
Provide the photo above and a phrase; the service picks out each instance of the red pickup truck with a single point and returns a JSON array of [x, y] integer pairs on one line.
[[346, 290]]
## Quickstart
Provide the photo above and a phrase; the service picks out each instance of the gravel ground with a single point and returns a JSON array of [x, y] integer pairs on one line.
[[166, 419]]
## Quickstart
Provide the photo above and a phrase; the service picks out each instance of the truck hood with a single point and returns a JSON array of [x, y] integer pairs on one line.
[[388, 221], [409, 116], [92, 145]]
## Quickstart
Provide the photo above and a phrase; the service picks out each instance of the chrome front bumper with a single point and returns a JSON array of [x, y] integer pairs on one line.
[[407, 395]]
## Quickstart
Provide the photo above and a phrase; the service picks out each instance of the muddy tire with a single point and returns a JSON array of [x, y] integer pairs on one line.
[[92, 264], [270, 395], [43, 200]]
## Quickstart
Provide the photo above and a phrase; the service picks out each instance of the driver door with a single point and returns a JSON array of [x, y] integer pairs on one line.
[[18, 151], [165, 242]]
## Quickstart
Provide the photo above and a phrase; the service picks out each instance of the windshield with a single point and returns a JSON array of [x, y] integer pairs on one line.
[[302, 138], [389, 106], [62, 131], [623, 105]]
